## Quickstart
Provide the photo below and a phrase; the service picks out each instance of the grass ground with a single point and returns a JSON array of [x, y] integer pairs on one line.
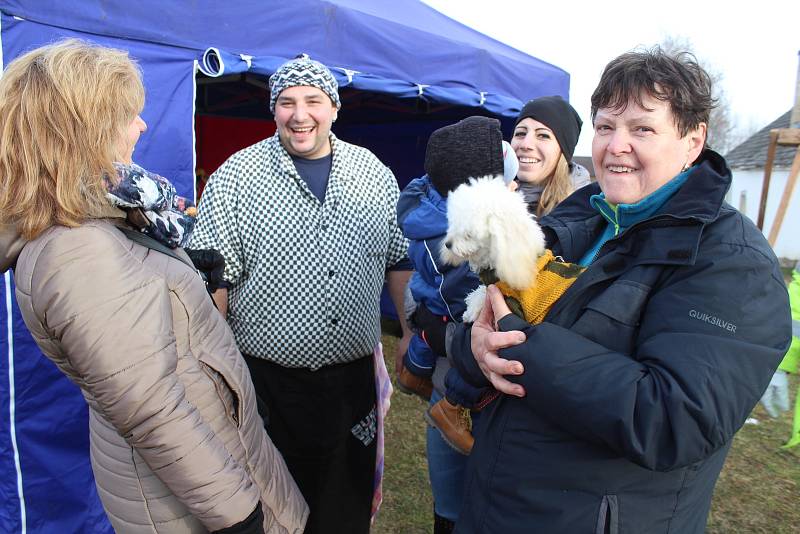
[[758, 490]]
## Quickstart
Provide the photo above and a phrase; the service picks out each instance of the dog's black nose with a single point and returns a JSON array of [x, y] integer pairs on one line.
[[448, 244]]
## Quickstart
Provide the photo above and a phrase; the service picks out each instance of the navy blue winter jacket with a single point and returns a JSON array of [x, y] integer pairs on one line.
[[422, 215], [639, 376]]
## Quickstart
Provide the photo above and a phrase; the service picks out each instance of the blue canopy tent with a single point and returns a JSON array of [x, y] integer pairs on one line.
[[404, 70]]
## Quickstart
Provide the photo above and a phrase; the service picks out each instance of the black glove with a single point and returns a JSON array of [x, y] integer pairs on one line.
[[433, 327], [253, 524], [211, 265]]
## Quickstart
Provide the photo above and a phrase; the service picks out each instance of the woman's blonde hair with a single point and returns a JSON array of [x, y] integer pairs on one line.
[[556, 189], [64, 109]]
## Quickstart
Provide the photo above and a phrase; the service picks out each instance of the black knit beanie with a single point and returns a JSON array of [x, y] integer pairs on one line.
[[467, 149], [559, 116]]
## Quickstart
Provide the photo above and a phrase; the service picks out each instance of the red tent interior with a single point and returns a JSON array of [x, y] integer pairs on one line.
[[217, 138]]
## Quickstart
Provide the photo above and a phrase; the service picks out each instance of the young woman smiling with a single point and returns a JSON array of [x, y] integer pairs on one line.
[[544, 140]]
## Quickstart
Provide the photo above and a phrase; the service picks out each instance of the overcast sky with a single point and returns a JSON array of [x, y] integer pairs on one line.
[[754, 46]]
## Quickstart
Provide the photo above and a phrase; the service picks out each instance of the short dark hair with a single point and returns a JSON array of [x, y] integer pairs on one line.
[[673, 78]]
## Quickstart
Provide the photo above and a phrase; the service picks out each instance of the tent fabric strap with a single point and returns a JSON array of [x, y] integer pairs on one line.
[[215, 62]]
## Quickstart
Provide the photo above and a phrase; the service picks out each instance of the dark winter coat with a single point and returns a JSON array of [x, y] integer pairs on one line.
[[638, 378]]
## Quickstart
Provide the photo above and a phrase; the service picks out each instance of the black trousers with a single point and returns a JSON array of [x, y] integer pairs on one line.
[[324, 424]]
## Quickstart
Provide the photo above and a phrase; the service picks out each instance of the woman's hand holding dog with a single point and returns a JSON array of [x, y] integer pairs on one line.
[[487, 340]]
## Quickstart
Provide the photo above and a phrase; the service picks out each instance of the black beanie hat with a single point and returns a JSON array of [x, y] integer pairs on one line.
[[559, 116], [467, 149]]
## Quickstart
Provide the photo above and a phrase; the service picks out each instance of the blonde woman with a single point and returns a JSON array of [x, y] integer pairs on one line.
[[108, 294], [544, 140]]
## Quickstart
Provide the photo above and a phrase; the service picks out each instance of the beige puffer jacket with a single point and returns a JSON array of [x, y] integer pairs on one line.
[[177, 445]]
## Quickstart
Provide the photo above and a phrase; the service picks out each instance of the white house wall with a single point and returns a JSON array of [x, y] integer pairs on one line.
[[788, 243]]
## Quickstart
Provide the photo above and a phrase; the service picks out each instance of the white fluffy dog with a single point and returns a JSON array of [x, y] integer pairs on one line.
[[490, 227]]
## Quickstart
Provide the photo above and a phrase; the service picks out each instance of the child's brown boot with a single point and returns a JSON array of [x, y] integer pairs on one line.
[[454, 424], [409, 383]]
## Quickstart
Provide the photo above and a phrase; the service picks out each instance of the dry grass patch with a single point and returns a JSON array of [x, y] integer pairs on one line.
[[407, 502]]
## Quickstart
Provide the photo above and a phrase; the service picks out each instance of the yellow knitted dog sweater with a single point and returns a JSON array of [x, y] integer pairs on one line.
[[553, 279]]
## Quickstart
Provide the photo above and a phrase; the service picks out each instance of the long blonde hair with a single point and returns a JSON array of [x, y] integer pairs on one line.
[[557, 188], [63, 110]]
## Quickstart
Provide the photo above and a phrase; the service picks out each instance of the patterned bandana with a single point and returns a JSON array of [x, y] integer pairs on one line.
[[170, 217], [303, 71]]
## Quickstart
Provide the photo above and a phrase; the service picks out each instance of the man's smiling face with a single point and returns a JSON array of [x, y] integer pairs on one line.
[[303, 116]]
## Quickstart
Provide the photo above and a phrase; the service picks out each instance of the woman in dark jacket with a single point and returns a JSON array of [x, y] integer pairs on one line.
[[620, 408]]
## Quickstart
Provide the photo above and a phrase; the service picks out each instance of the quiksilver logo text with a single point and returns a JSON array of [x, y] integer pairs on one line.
[[710, 319]]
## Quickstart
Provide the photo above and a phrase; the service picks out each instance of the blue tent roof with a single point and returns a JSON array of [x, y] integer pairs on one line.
[[404, 41]]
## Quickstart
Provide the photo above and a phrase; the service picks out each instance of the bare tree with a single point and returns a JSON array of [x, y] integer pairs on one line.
[[723, 131]]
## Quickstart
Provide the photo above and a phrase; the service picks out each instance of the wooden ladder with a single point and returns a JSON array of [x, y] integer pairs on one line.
[[782, 137]]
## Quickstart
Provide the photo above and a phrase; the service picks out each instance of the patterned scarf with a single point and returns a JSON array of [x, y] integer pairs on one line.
[[169, 218]]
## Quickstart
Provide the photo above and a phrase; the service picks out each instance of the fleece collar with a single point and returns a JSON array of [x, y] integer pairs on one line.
[[622, 216]]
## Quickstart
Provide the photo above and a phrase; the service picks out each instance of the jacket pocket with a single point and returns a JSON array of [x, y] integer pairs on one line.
[[623, 301], [227, 395], [612, 318], [608, 516]]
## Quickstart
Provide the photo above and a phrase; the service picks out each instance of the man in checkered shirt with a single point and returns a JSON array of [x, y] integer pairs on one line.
[[308, 228]]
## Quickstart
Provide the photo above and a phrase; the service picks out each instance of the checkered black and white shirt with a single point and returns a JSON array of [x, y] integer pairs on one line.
[[306, 276]]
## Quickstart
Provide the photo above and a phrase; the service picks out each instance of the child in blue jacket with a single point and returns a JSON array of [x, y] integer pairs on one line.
[[471, 148]]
